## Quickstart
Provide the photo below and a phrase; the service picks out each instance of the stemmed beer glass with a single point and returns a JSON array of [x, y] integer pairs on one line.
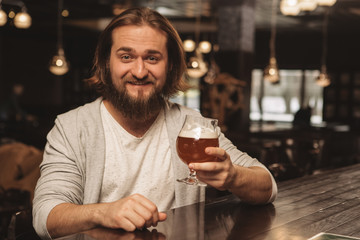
[[196, 134]]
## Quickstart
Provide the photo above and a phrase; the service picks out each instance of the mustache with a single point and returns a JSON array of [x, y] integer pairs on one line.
[[139, 81]]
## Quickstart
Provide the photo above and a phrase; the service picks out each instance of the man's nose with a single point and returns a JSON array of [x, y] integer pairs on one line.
[[139, 69]]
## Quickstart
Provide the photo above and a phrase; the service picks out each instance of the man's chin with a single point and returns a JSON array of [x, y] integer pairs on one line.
[[140, 91], [140, 105], [141, 98], [144, 95]]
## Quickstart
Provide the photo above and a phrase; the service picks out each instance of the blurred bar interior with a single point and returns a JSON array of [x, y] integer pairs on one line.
[[282, 76]]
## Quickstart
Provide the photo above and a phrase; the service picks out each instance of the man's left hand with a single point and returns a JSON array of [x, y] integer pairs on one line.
[[220, 174]]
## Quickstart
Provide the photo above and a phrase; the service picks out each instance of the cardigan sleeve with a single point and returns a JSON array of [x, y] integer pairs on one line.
[[61, 180], [243, 159]]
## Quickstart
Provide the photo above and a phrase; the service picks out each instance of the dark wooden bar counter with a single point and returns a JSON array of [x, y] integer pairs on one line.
[[325, 202]]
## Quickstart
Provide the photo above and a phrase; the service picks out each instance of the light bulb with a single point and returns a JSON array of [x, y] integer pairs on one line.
[[271, 72], [65, 13], [189, 45], [3, 17], [11, 14], [307, 5], [194, 63], [205, 46], [323, 79], [22, 20], [292, 2], [58, 64], [289, 7], [326, 2], [197, 68]]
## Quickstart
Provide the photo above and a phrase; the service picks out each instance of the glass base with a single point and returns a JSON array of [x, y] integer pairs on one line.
[[192, 181]]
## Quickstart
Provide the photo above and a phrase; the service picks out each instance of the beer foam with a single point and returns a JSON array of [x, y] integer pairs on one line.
[[195, 134]]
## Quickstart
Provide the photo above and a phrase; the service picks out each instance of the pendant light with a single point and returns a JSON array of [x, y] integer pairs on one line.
[[58, 64], [328, 3], [271, 72], [189, 45], [205, 46], [294, 7], [323, 79], [307, 5], [289, 7], [22, 19], [197, 67], [3, 16]]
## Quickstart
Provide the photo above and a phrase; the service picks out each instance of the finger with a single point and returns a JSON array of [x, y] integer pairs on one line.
[[136, 212], [153, 217], [128, 224], [148, 218], [204, 177], [217, 152], [206, 167], [149, 211], [161, 217], [137, 217]]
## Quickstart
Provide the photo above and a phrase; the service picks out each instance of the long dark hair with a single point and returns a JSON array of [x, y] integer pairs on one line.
[[141, 16]]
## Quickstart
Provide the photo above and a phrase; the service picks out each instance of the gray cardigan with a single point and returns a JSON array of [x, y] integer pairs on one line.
[[74, 159]]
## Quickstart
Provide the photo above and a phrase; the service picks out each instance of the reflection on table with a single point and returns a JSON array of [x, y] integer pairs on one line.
[[325, 202], [227, 219]]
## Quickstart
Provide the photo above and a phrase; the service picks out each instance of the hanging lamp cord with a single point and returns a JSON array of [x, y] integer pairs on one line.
[[325, 35], [198, 22], [59, 24], [273, 28]]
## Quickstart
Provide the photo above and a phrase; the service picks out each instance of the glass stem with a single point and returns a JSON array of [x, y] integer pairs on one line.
[[192, 174]]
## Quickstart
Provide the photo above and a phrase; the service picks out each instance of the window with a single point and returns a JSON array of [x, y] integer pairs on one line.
[[191, 98], [279, 102]]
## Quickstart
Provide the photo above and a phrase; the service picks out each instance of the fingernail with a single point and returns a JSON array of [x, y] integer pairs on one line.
[[191, 165]]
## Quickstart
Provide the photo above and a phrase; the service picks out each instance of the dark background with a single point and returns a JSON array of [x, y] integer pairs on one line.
[[25, 53]]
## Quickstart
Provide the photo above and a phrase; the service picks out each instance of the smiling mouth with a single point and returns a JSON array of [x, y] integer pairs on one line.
[[140, 83]]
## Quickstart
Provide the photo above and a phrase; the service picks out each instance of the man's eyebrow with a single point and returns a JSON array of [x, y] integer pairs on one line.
[[125, 49], [153, 51], [129, 49]]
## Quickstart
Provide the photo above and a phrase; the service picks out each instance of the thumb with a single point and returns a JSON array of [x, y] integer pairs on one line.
[[162, 216]]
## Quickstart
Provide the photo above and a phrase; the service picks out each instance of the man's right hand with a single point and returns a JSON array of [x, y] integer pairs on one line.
[[130, 213]]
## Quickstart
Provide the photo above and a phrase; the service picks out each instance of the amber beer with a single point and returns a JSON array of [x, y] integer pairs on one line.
[[193, 150]]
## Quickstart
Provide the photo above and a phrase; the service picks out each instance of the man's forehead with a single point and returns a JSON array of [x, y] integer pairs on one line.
[[138, 28], [139, 36]]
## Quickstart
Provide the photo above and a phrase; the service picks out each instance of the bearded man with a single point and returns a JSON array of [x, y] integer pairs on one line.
[[112, 163]]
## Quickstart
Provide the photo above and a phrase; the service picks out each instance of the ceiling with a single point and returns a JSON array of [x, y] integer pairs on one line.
[[343, 16], [95, 14]]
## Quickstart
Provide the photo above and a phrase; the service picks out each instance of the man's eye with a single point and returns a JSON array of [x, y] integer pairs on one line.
[[125, 57], [152, 59]]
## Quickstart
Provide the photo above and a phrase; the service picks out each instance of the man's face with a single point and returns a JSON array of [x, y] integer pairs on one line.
[[138, 61]]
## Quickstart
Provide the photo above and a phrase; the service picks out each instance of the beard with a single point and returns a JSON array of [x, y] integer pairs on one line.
[[138, 108]]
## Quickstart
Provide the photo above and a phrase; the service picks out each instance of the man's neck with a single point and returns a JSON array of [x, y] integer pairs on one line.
[[135, 127]]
